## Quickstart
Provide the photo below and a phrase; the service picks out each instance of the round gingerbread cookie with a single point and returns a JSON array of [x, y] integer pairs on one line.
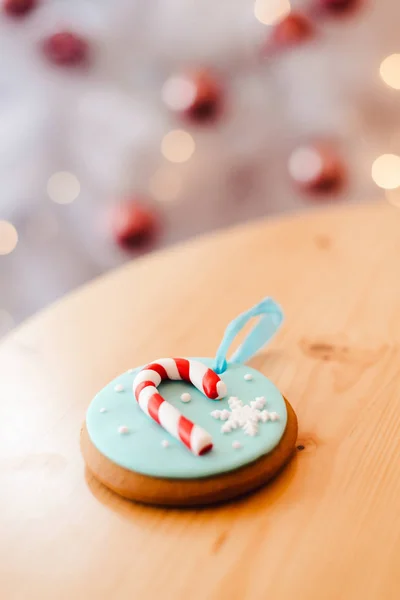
[[190, 431]]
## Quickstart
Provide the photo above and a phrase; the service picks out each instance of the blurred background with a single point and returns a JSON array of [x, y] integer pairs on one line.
[[127, 126]]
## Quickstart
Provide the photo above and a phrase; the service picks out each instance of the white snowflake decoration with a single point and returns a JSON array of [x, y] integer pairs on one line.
[[245, 416]]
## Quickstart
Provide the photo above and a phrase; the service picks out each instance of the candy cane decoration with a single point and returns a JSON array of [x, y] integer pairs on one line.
[[162, 412]]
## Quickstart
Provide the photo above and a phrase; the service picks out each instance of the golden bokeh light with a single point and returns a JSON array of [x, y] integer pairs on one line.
[[177, 146], [270, 12], [63, 187], [166, 184], [386, 171], [390, 71], [8, 238]]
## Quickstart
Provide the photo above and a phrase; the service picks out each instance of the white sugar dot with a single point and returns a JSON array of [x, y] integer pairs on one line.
[[186, 397], [123, 429], [248, 377], [165, 444], [103, 410], [119, 387], [236, 445], [273, 416]]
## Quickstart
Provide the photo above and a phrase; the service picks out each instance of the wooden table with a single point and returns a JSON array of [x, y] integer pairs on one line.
[[327, 529]]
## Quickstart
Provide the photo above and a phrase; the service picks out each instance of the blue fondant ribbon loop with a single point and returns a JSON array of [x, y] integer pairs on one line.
[[271, 318]]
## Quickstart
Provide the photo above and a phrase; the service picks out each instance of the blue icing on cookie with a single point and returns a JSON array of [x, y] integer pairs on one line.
[[141, 448]]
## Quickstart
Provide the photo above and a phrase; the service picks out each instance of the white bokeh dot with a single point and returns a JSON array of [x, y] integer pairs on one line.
[[8, 238], [177, 146], [63, 187], [178, 93], [270, 12], [305, 164], [386, 171], [390, 71]]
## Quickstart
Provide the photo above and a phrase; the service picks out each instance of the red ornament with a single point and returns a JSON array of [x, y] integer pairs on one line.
[[18, 8], [316, 168], [337, 6], [133, 225], [66, 49], [196, 96], [291, 31]]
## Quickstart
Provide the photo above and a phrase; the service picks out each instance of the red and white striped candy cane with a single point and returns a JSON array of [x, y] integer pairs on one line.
[[153, 404]]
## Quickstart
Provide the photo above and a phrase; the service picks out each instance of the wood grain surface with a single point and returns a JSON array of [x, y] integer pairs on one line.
[[328, 528]]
